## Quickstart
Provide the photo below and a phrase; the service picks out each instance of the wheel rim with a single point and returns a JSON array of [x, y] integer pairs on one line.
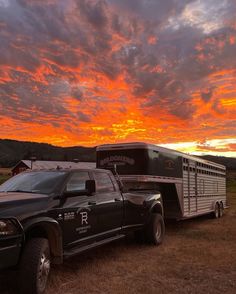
[[158, 230], [44, 269]]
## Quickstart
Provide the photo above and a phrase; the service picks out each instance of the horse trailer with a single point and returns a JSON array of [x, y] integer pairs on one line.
[[190, 186]]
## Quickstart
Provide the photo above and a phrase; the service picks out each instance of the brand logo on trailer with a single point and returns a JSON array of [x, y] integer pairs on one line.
[[117, 159], [169, 164]]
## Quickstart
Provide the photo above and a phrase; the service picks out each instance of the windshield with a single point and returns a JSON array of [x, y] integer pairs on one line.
[[34, 182]]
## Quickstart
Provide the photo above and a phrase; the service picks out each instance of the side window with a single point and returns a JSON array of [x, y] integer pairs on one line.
[[77, 181], [103, 182], [201, 186], [215, 187]]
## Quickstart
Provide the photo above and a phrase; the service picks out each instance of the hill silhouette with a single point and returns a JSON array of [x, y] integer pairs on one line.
[[12, 151], [229, 162]]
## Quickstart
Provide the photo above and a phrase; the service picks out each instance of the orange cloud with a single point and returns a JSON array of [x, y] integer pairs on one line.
[[91, 72]]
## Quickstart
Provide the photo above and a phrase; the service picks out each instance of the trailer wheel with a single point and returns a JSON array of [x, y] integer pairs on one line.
[[221, 209], [155, 229], [216, 212], [34, 267]]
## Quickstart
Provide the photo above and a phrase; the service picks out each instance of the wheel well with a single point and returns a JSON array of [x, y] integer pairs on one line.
[[157, 209], [48, 232], [36, 232]]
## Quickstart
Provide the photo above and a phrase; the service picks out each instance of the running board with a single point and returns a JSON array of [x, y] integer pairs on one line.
[[75, 251]]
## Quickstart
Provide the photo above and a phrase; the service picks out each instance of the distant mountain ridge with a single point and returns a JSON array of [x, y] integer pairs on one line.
[[12, 151], [229, 162]]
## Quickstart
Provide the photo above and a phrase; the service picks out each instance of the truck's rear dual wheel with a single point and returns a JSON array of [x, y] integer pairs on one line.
[[155, 229], [34, 267]]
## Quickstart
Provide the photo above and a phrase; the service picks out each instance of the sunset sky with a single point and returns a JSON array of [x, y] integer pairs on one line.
[[89, 72]]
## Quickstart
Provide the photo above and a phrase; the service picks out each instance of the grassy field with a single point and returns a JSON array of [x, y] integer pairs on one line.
[[197, 256], [4, 174]]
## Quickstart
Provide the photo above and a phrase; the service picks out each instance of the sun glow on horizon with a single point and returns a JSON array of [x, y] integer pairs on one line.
[[217, 147]]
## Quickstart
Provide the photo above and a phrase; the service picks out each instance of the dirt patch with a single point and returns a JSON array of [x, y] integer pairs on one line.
[[198, 256]]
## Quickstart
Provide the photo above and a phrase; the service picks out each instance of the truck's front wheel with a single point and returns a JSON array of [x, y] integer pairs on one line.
[[156, 229], [34, 267]]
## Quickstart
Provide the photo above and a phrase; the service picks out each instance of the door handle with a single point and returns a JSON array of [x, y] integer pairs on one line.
[[117, 199], [92, 203]]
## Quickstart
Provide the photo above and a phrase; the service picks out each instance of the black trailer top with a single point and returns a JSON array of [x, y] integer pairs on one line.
[[142, 145]]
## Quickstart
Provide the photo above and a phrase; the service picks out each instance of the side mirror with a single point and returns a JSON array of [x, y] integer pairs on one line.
[[90, 187]]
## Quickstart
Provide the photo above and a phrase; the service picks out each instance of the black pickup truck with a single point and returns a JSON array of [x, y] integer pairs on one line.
[[49, 215]]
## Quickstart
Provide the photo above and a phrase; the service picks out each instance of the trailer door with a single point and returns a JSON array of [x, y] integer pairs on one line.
[[192, 186]]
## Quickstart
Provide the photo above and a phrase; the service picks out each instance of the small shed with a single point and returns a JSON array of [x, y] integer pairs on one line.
[[43, 164]]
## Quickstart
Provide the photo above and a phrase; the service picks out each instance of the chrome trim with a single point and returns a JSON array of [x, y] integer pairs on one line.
[[132, 226], [8, 247], [95, 236], [148, 178]]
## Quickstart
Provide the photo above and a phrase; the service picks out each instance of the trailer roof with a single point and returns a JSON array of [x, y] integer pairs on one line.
[[142, 145], [68, 170]]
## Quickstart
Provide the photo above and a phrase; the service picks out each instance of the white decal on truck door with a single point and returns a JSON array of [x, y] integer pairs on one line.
[[84, 218]]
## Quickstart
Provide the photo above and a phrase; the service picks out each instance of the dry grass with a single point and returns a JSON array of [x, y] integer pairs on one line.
[[198, 256], [5, 174]]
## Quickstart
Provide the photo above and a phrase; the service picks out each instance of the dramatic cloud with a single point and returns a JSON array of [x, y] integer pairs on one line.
[[97, 71]]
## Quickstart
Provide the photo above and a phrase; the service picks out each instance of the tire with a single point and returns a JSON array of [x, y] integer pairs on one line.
[[155, 229], [34, 267], [216, 212], [221, 209]]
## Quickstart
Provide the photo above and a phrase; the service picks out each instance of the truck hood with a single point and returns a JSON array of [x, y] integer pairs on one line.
[[21, 205]]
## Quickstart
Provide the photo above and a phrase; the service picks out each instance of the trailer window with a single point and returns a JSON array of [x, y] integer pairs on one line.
[[215, 187], [201, 186]]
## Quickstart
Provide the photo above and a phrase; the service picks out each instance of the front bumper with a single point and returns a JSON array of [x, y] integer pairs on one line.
[[10, 249]]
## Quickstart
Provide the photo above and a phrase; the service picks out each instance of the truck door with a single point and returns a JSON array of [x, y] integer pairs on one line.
[[109, 206], [77, 214]]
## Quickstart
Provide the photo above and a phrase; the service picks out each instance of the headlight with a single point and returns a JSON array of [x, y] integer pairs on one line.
[[7, 228]]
